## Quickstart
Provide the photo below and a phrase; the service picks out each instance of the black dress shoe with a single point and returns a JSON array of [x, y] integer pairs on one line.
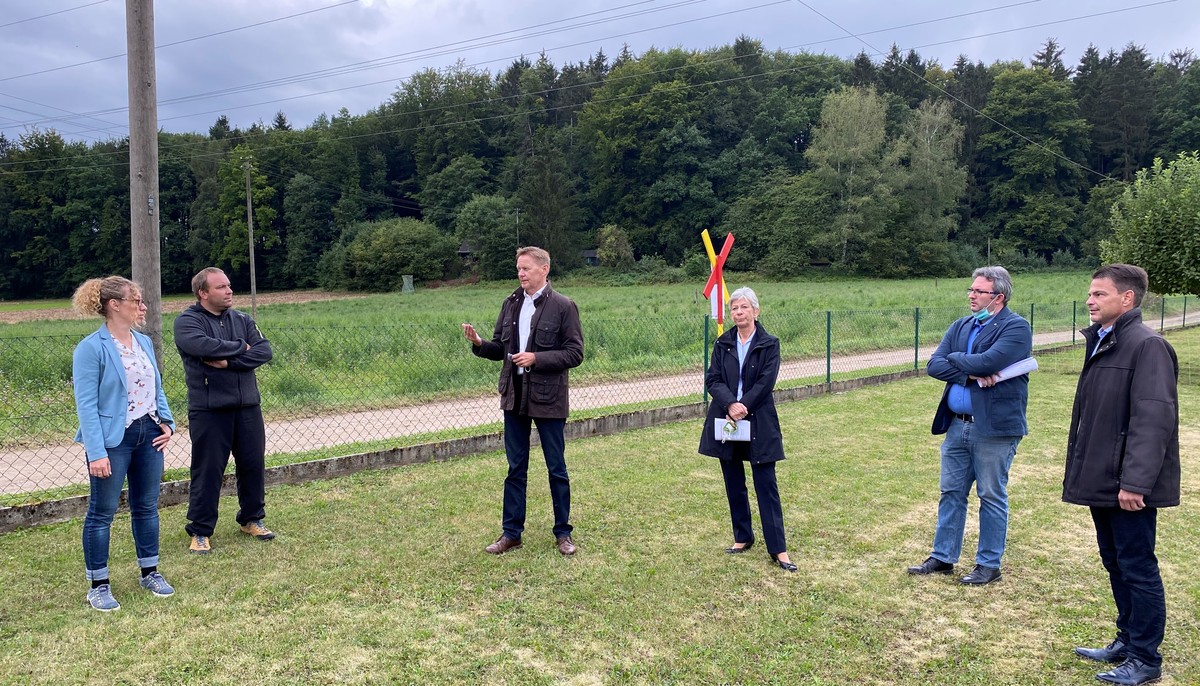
[[1131, 672], [981, 575], [1113, 652], [786, 566], [932, 565], [732, 550]]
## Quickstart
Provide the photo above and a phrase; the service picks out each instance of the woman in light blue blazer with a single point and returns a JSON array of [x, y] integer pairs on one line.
[[124, 426]]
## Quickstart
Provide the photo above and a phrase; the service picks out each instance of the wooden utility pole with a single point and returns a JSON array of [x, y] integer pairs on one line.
[[143, 163], [248, 166]]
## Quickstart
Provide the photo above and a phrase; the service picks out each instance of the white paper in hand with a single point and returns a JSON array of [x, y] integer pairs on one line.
[[1019, 368]]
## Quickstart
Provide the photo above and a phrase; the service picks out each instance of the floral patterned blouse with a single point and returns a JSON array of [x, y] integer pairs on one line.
[[139, 380]]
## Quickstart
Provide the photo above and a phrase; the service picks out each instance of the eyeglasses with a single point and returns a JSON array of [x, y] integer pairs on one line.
[[136, 301], [976, 291]]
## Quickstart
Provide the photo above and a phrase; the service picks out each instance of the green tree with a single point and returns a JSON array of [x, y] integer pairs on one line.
[[778, 226], [232, 247], [847, 156], [1154, 225], [1035, 186], [487, 223], [381, 253], [310, 228], [926, 182], [612, 247], [445, 191]]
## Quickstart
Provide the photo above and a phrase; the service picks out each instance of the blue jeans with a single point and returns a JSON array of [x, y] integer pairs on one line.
[[983, 460], [143, 464], [516, 446]]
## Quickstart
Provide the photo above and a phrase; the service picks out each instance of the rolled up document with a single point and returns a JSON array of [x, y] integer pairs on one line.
[[1019, 368]]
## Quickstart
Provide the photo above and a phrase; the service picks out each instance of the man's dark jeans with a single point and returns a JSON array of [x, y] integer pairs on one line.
[[1126, 541]]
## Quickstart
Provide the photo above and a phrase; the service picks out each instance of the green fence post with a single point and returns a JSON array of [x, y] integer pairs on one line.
[[1074, 326], [828, 347], [1030, 317], [1184, 324], [704, 362], [916, 336], [1162, 315]]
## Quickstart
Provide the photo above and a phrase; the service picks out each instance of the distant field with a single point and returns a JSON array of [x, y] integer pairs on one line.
[[479, 303], [392, 350]]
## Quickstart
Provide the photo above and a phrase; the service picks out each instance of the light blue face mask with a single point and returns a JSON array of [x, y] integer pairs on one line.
[[982, 315]]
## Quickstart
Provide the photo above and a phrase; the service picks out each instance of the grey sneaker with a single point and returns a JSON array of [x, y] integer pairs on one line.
[[101, 598], [156, 584]]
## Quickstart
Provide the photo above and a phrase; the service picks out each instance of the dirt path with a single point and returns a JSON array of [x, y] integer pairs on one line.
[[57, 465]]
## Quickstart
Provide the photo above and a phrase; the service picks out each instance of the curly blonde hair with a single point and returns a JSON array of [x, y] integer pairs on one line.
[[92, 296]]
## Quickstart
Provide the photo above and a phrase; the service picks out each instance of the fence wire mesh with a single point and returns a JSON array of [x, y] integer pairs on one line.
[[332, 391]]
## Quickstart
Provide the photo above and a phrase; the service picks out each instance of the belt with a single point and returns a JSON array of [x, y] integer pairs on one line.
[[970, 419]]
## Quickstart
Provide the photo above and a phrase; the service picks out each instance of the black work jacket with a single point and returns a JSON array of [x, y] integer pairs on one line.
[[1125, 422], [201, 335]]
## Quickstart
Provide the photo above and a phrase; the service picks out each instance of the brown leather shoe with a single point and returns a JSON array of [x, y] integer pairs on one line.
[[565, 545], [503, 545]]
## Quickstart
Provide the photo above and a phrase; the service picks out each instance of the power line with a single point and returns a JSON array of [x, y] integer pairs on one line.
[[414, 55], [51, 14], [972, 108], [550, 109], [74, 115], [181, 42]]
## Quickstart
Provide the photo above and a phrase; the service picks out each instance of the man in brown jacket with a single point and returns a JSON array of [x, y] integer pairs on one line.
[[538, 337], [1123, 463]]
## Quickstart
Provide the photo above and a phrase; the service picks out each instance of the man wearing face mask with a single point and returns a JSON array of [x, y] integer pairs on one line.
[[983, 420]]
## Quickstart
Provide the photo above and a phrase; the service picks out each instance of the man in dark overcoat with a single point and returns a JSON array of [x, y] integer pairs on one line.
[[1123, 463]]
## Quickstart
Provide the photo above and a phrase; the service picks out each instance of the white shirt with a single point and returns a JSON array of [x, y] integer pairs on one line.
[[525, 321]]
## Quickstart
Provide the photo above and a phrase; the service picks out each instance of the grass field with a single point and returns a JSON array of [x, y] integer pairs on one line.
[[633, 303], [379, 577]]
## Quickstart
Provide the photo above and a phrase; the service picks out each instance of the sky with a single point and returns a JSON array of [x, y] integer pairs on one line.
[[62, 62]]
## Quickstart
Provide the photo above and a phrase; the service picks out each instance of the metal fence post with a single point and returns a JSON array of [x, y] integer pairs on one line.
[[916, 337], [828, 347], [1074, 326], [1030, 317], [1162, 315], [1184, 324], [704, 362]]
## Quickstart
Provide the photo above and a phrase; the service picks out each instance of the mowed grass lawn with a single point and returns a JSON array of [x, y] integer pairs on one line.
[[380, 578]]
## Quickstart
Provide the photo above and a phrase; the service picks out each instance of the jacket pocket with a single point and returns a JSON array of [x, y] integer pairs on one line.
[[1118, 458], [546, 335], [543, 392]]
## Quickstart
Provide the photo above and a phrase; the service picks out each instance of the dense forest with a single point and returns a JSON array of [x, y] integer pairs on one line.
[[896, 168]]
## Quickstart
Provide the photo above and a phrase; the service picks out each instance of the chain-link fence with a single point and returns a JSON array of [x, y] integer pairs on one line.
[[333, 391]]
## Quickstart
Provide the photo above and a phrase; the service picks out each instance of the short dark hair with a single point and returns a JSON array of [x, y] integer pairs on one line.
[[1126, 277], [200, 280]]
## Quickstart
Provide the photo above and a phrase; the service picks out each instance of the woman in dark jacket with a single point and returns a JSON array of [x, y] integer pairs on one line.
[[740, 379]]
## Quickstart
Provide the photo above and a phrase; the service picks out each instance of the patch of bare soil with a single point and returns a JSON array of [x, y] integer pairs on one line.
[[242, 302]]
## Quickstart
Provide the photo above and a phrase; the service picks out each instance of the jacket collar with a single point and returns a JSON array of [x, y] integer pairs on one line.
[[1130, 318], [111, 352], [730, 336], [519, 294]]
